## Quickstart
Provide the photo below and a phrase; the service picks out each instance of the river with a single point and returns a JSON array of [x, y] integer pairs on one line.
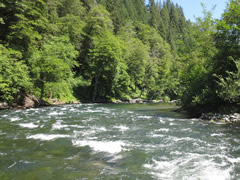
[[115, 141]]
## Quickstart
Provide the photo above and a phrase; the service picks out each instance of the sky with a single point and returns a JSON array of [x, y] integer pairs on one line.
[[193, 8]]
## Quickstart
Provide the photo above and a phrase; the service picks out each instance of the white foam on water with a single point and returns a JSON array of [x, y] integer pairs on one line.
[[185, 139], [85, 133], [162, 130], [112, 147], [54, 113], [213, 173], [115, 159], [105, 110], [5, 115], [90, 119], [99, 129], [121, 128], [189, 167], [3, 154], [26, 162], [93, 111], [172, 124], [187, 129], [158, 135], [12, 165], [73, 110], [162, 120], [76, 126], [47, 137], [145, 117], [171, 119], [58, 126], [28, 125], [14, 119]]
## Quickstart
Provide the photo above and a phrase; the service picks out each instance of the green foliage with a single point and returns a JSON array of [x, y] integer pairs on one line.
[[104, 58], [1, 19], [228, 39], [14, 75], [31, 22], [53, 64], [116, 49], [160, 78], [230, 86], [98, 20], [197, 73]]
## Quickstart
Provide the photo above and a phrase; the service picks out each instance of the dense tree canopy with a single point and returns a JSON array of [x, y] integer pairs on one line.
[[119, 49]]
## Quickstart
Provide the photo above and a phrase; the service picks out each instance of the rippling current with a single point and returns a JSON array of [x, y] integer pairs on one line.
[[102, 141]]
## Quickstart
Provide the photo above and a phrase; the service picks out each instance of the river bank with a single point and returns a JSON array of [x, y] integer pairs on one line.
[[30, 101], [221, 118]]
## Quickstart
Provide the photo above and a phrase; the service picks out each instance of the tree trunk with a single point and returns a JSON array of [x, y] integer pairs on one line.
[[95, 88], [142, 89]]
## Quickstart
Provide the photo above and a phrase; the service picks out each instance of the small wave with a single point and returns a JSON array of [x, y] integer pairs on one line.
[[172, 124], [3, 154], [14, 119], [12, 165], [187, 129], [47, 137], [28, 125], [158, 135], [121, 128], [99, 129], [162, 130], [102, 146], [85, 133], [189, 166], [217, 134], [54, 113], [145, 117], [58, 125]]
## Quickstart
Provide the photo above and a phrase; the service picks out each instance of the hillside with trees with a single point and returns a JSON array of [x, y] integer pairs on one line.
[[101, 50]]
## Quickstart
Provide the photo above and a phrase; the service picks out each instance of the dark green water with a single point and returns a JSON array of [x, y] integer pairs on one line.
[[95, 141]]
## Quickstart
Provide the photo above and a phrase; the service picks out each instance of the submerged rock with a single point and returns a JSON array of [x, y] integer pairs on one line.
[[4, 105]]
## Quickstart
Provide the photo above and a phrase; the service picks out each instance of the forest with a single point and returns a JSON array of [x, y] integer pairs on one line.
[[106, 50]]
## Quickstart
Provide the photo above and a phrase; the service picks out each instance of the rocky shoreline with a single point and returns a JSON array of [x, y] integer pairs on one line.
[[136, 101], [30, 101], [222, 118]]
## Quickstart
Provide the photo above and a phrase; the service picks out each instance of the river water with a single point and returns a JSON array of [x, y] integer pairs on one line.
[[107, 141]]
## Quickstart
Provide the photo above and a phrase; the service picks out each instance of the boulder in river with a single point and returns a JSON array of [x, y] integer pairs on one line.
[[228, 118], [4, 105], [30, 101]]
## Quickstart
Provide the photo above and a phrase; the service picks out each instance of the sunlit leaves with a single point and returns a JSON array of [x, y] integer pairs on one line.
[[14, 75]]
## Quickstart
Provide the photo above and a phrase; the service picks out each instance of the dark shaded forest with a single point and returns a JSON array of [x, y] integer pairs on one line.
[[103, 50]]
